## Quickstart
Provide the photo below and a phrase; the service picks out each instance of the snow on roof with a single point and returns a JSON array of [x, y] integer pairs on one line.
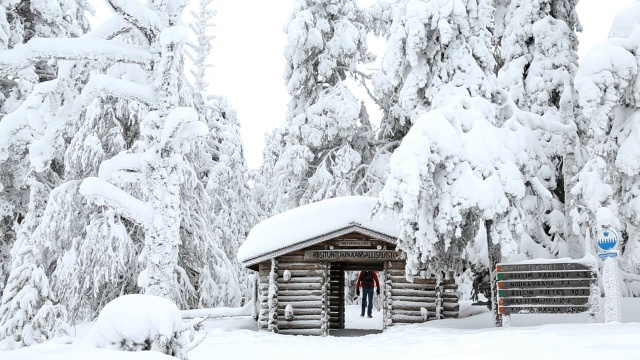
[[314, 220]]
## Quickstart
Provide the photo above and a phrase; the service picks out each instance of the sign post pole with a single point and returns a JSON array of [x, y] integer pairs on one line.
[[607, 240]]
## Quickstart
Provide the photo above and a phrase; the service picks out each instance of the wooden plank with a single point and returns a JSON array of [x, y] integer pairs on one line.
[[297, 317], [295, 298], [507, 310], [406, 312], [522, 284], [543, 275], [315, 304], [541, 267], [308, 280], [452, 299], [428, 306], [420, 293], [290, 258], [568, 292], [544, 301], [301, 274], [297, 293], [298, 286], [451, 287], [300, 266], [301, 311], [416, 280], [406, 319]]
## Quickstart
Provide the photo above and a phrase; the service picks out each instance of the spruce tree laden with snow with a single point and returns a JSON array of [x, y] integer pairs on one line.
[[538, 52], [607, 186], [324, 148], [151, 91], [465, 162], [220, 161], [28, 313], [20, 21]]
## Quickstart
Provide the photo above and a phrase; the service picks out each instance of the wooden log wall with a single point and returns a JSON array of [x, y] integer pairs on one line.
[[336, 297], [408, 299], [300, 284]]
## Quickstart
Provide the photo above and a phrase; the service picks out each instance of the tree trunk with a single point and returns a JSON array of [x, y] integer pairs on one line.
[[575, 248], [163, 237], [495, 256]]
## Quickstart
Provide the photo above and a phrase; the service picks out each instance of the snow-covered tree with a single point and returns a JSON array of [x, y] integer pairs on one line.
[[417, 62], [465, 163], [537, 47], [128, 132], [324, 148], [28, 314], [608, 185], [21, 21], [220, 162]]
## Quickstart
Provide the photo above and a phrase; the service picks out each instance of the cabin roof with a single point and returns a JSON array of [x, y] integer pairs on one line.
[[314, 223]]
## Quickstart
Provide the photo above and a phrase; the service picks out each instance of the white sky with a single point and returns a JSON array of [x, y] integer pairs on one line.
[[248, 63]]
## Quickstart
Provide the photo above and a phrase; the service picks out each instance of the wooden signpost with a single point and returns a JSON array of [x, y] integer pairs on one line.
[[551, 288]]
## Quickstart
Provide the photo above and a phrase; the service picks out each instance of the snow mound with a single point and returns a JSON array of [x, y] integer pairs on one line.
[[313, 220], [140, 322]]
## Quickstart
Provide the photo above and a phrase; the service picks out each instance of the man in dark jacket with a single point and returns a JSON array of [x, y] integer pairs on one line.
[[366, 280]]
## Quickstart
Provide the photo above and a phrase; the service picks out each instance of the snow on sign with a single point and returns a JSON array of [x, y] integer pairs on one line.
[[607, 239], [546, 288]]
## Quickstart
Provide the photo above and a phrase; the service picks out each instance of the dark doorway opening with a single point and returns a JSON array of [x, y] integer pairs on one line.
[[344, 317]]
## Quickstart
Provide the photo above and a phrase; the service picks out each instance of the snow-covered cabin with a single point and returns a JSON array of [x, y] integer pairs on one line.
[[302, 255]]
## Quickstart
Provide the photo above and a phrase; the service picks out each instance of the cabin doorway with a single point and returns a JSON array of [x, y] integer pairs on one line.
[[345, 307]]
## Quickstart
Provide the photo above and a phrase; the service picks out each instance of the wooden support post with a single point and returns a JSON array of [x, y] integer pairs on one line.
[[324, 324], [439, 314], [387, 302], [273, 297]]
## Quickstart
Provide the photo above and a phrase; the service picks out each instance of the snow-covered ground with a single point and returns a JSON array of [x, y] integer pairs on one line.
[[353, 319], [539, 337]]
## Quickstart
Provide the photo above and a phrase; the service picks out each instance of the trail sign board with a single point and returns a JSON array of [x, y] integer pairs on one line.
[[356, 254], [550, 288]]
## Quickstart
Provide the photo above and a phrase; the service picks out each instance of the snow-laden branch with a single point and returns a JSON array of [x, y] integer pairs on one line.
[[111, 28], [544, 122], [39, 49], [14, 127], [101, 85], [147, 20], [101, 192], [121, 168]]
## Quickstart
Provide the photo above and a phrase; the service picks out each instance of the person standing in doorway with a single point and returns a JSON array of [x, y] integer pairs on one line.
[[366, 280]]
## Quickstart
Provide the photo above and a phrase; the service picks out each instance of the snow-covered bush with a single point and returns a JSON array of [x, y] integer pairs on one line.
[[142, 322]]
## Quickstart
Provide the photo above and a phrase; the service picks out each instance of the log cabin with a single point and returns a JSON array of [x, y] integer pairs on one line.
[[301, 257]]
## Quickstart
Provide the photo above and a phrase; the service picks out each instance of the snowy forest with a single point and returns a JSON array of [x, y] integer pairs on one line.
[[121, 172]]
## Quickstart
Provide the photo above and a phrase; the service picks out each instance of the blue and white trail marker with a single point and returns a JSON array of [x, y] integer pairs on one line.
[[607, 239]]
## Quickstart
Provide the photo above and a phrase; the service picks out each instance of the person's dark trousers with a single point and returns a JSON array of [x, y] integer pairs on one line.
[[367, 300]]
